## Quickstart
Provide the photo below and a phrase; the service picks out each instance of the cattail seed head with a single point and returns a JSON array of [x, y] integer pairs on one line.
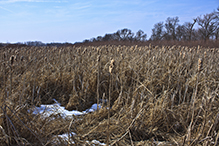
[[89, 54], [16, 52], [98, 58], [22, 58], [213, 50], [184, 55], [200, 64], [122, 56], [153, 58], [45, 59], [112, 62], [16, 58], [85, 50], [5, 55], [190, 50], [60, 51], [98, 50], [205, 54], [12, 59], [118, 49], [112, 66], [78, 50]]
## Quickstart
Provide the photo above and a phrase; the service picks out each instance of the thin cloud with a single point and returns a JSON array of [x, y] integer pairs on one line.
[[6, 9], [36, 1]]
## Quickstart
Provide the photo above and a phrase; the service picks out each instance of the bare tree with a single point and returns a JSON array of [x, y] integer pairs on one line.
[[107, 37], [217, 30], [208, 25], [171, 25], [125, 34], [189, 29], [180, 33], [157, 31], [140, 36], [99, 38]]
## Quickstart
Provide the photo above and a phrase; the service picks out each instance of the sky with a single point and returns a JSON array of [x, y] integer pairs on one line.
[[76, 20]]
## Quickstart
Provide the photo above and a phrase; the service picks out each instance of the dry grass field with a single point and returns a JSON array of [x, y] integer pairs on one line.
[[150, 95]]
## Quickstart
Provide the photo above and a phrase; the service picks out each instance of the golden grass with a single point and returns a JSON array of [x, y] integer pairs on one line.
[[158, 95]]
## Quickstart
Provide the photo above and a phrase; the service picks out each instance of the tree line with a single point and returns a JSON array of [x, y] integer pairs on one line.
[[202, 28], [208, 28], [170, 30]]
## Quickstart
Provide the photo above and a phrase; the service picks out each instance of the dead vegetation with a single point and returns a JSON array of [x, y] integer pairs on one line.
[[158, 95]]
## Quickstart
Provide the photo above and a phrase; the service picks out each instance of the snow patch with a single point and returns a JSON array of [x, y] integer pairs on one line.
[[56, 108]]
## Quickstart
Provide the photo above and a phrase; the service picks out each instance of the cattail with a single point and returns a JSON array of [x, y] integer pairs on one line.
[[184, 55], [98, 80], [12, 59], [89, 54], [163, 48], [153, 58], [213, 50], [111, 70], [98, 50], [45, 59], [22, 58], [112, 66], [107, 50], [190, 50], [85, 50], [149, 52], [16, 52], [5, 55], [200, 64], [118, 49], [122, 56], [16, 58], [60, 51], [150, 46], [98, 58], [136, 46], [205, 54], [78, 50]]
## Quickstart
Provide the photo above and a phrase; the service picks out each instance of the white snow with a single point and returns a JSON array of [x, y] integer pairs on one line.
[[56, 108], [95, 142], [63, 137]]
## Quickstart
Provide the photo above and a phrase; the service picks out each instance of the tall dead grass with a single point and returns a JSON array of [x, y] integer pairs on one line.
[[156, 95]]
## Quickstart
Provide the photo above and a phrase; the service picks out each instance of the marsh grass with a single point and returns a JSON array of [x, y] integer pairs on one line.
[[155, 94]]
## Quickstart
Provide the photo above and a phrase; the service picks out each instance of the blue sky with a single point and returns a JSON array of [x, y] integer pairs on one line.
[[76, 20]]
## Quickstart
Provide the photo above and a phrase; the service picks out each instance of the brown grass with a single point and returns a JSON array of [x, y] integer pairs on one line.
[[166, 95]]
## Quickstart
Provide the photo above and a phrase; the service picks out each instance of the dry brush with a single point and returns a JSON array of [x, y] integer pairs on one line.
[[150, 95]]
